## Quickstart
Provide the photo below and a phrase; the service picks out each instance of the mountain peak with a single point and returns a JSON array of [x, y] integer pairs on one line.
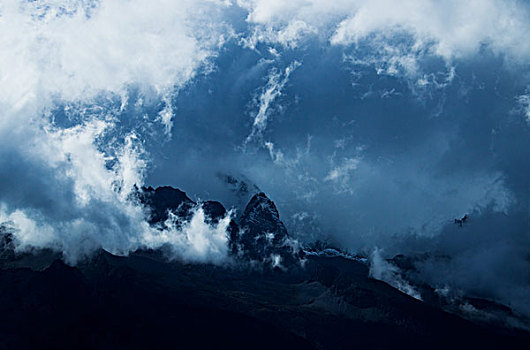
[[259, 234], [261, 218], [164, 199], [263, 236], [261, 208]]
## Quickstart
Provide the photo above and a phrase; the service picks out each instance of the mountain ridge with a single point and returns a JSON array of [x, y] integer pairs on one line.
[[314, 299]]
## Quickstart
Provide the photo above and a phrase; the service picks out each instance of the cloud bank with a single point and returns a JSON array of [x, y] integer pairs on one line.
[[451, 29]]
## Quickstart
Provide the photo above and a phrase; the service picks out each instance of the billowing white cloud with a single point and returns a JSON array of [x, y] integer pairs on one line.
[[87, 201], [77, 49], [449, 28], [67, 183], [195, 241], [455, 28]]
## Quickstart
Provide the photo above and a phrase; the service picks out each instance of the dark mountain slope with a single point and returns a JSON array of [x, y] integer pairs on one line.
[[144, 301]]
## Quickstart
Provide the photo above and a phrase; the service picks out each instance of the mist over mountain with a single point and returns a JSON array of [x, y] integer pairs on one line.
[[187, 129]]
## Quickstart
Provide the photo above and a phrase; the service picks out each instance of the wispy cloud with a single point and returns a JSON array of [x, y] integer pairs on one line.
[[341, 174], [385, 271], [269, 93], [524, 105]]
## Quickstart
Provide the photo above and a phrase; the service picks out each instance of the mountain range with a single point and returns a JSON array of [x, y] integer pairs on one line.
[[273, 293]]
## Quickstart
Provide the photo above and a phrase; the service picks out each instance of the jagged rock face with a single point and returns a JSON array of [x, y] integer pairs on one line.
[[214, 211], [164, 199], [260, 235], [7, 246], [263, 236], [261, 216]]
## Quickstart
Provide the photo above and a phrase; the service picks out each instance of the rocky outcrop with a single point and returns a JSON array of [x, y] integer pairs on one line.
[[258, 235], [7, 246], [263, 236], [164, 199]]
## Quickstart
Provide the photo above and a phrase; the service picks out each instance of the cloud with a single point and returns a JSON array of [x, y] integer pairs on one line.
[[195, 240], [83, 199], [341, 174], [486, 258], [269, 93], [455, 28], [524, 105], [383, 270], [450, 29], [78, 49], [72, 73], [343, 170]]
